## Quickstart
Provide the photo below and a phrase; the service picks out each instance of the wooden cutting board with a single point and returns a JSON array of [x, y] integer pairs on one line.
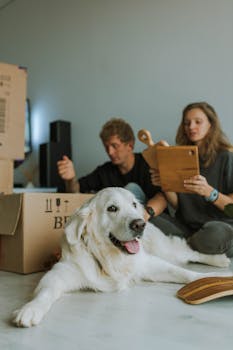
[[176, 164], [149, 154], [206, 289]]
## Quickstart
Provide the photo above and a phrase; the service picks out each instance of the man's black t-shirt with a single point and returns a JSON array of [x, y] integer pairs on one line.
[[108, 175]]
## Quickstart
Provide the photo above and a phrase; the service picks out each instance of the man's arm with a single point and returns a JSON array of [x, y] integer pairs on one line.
[[66, 171], [158, 203]]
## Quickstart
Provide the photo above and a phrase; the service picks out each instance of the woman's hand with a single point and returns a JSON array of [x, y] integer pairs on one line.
[[199, 185]]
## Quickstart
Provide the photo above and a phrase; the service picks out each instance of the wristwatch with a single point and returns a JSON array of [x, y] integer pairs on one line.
[[150, 211], [213, 196]]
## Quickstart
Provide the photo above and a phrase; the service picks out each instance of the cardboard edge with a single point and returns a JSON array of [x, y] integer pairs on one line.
[[10, 208]]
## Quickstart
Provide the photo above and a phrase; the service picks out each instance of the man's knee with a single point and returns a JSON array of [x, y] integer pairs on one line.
[[137, 191]]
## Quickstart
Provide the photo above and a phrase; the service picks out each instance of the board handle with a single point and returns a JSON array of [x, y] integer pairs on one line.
[[145, 137]]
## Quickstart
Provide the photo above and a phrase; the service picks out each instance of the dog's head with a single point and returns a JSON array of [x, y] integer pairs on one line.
[[113, 217]]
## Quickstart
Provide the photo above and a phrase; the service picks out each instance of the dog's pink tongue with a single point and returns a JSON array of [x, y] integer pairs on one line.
[[132, 246]]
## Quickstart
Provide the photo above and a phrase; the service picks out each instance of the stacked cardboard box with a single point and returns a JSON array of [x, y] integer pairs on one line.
[[6, 176], [31, 224], [13, 80]]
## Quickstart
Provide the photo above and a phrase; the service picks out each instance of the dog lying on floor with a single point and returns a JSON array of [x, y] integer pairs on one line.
[[106, 247]]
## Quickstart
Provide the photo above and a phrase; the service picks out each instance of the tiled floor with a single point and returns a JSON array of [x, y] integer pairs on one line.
[[147, 317]]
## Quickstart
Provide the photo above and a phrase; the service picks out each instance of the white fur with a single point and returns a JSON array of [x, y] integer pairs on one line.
[[91, 260]]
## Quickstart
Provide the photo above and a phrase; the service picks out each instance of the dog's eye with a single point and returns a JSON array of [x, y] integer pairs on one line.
[[135, 204], [112, 208]]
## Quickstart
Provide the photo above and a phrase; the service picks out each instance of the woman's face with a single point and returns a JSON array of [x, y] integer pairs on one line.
[[196, 125]]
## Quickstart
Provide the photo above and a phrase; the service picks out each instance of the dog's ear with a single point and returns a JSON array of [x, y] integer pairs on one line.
[[77, 223]]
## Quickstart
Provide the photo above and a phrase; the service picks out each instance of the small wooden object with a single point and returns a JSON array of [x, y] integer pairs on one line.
[[206, 289], [176, 164], [149, 154]]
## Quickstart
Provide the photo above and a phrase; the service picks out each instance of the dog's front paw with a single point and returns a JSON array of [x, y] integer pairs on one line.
[[29, 315]]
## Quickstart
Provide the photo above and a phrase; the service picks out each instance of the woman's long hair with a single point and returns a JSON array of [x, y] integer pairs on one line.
[[214, 141]]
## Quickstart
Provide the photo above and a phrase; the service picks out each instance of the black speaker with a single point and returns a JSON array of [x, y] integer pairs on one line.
[[60, 131], [49, 155]]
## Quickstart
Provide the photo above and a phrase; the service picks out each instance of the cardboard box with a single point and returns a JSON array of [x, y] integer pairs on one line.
[[31, 227], [6, 176], [12, 111]]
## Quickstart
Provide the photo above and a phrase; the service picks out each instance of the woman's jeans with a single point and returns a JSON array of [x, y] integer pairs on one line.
[[214, 237]]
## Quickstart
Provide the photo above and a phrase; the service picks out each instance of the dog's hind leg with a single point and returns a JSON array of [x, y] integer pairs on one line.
[[158, 270], [176, 249], [183, 253], [218, 260], [52, 286]]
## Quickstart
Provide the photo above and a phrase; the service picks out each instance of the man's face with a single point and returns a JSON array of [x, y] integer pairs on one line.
[[117, 150]]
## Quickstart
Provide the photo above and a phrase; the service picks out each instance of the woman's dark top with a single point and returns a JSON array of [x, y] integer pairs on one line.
[[193, 210]]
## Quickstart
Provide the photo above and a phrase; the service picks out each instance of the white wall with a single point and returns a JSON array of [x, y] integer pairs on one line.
[[143, 60]]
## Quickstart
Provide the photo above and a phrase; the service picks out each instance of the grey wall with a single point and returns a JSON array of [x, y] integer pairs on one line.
[[143, 60]]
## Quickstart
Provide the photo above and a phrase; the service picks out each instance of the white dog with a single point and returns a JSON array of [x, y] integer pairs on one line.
[[107, 246]]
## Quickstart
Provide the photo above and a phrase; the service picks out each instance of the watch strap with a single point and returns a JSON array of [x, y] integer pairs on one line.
[[150, 211], [213, 196]]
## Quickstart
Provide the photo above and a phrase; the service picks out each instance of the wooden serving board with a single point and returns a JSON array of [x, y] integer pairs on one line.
[[176, 164], [206, 289], [149, 154]]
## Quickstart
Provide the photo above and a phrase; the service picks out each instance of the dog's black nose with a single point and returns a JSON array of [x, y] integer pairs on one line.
[[137, 225]]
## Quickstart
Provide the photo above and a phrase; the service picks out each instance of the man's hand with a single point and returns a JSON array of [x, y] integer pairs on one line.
[[155, 177], [66, 169], [154, 173]]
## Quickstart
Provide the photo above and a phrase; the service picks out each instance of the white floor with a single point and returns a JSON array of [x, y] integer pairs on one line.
[[149, 316]]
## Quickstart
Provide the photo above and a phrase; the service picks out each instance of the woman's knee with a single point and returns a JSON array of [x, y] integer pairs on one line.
[[215, 237]]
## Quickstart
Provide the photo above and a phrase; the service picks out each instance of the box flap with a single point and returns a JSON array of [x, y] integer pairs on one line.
[[10, 207]]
